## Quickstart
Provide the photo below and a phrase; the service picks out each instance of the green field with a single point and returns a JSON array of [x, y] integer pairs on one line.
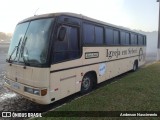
[[138, 91]]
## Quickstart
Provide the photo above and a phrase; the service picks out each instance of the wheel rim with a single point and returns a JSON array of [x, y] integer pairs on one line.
[[86, 83]]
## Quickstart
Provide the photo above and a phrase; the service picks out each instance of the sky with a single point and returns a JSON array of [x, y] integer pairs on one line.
[[133, 14]]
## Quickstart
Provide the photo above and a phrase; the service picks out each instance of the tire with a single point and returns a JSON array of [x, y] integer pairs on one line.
[[87, 83], [135, 66]]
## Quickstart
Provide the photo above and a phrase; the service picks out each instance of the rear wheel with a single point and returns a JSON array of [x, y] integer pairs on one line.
[[87, 83], [135, 66]]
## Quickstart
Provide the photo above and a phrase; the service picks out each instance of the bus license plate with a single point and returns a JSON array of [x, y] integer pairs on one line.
[[16, 85]]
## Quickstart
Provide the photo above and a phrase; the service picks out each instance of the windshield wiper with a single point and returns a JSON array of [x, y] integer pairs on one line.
[[22, 52], [16, 47], [25, 62]]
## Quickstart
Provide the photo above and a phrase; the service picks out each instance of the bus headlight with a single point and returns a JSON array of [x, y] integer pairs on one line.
[[32, 90], [35, 91]]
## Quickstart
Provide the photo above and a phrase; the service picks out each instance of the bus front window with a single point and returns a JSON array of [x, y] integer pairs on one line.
[[16, 41], [35, 43]]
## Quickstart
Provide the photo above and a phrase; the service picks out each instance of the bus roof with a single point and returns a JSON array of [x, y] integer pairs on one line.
[[77, 16]]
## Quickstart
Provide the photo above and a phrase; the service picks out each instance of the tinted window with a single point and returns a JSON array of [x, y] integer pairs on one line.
[[61, 45], [127, 38], [123, 38], [68, 48], [136, 39], [133, 39], [99, 35], [88, 32], [73, 38], [109, 36], [116, 37], [144, 38], [140, 40]]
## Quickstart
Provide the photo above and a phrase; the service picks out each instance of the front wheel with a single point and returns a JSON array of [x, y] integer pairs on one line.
[[87, 83]]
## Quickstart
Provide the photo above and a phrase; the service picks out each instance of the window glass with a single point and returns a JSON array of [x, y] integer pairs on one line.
[[61, 45], [16, 40], [68, 48], [99, 35], [88, 32], [109, 36], [127, 38], [123, 38], [140, 40], [36, 41], [144, 39], [73, 38], [133, 39], [116, 37], [136, 39]]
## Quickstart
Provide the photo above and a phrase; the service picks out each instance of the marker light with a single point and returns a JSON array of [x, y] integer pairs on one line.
[[43, 92]]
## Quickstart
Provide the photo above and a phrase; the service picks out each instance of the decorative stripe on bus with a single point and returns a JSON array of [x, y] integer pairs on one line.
[[91, 64]]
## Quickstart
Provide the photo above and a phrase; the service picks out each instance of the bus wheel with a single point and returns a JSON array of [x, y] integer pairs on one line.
[[135, 66], [87, 83]]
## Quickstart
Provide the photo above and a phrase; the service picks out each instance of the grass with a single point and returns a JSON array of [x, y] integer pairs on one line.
[[139, 91]]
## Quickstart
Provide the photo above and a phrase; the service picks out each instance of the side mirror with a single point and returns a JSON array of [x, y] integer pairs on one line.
[[62, 33]]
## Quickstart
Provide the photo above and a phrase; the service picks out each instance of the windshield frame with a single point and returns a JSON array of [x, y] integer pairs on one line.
[[50, 39]]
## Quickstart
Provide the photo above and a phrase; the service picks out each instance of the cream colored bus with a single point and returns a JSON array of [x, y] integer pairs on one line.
[[55, 55]]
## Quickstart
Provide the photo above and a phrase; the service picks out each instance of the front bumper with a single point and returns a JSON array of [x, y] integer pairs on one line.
[[19, 88]]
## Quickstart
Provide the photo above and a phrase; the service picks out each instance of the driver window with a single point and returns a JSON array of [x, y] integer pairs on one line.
[[68, 48]]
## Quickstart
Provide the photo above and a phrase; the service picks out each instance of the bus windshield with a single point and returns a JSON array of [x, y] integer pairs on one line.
[[30, 42]]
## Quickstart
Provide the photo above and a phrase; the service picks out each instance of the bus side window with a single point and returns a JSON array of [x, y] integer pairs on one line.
[[123, 38], [99, 35], [140, 40], [144, 41], [134, 39], [109, 36], [88, 31], [62, 33], [68, 48], [127, 38], [92, 34], [74, 50], [116, 37]]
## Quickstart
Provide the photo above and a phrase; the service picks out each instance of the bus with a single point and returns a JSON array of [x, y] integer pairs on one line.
[[52, 56]]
